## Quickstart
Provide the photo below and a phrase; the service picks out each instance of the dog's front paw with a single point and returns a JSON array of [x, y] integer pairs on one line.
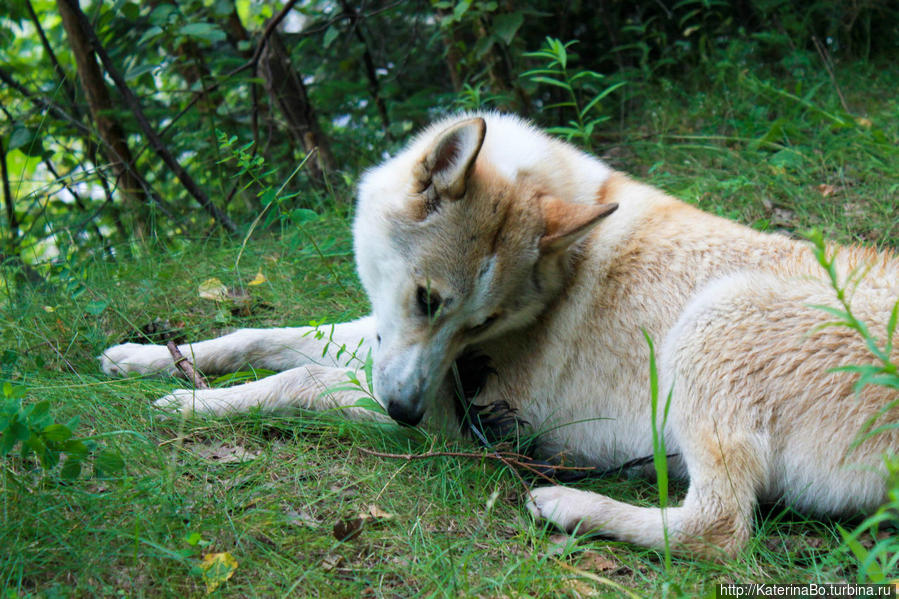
[[213, 402], [179, 401], [128, 358], [562, 506]]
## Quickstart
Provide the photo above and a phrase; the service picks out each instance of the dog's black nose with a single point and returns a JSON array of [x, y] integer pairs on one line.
[[404, 413]]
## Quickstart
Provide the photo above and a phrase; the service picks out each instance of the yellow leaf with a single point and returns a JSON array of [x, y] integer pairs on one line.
[[378, 514], [217, 568], [259, 279], [213, 289]]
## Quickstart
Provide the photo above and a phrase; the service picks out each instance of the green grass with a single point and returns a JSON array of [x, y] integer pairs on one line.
[[458, 526]]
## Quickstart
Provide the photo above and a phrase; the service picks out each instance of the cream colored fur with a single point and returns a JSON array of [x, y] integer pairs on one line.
[[515, 238]]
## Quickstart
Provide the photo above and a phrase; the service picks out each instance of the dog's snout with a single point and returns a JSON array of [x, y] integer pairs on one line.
[[404, 412]]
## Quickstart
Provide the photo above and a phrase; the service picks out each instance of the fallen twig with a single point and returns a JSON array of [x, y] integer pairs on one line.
[[186, 368], [516, 460]]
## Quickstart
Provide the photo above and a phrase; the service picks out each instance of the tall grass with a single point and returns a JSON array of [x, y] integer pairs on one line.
[[880, 563]]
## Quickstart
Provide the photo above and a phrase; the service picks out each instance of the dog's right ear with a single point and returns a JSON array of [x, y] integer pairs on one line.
[[566, 222], [448, 162]]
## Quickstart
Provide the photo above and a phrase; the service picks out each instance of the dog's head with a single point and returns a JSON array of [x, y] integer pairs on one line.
[[451, 253]]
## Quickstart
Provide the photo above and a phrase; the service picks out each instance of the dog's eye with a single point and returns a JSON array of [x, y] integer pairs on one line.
[[429, 302], [479, 328]]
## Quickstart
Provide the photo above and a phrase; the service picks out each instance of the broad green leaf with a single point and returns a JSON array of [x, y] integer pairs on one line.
[[370, 404], [26, 141], [75, 447], [109, 462], [482, 46], [301, 216], [57, 433], [330, 35], [506, 26], [217, 568], [202, 31], [96, 307], [71, 468], [160, 15], [139, 70]]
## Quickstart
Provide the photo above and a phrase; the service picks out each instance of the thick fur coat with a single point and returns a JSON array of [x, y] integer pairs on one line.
[[487, 235]]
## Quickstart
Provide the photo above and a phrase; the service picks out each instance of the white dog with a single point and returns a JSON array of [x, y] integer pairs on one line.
[[485, 234]]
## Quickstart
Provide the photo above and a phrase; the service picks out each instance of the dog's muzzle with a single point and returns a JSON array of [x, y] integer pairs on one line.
[[401, 384], [404, 412], [401, 397]]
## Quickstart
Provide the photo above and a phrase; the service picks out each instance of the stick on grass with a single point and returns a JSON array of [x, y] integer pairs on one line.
[[186, 368]]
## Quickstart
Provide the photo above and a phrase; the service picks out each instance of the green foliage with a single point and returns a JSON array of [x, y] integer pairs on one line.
[[659, 450], [880, 563], [885, 373], [582, 94], [32, 428], [189, 63]]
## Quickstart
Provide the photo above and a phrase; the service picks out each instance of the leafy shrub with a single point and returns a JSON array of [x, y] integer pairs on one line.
[[33, 429], [583, 91]]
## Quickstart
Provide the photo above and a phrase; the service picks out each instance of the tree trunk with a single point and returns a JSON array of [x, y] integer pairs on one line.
[[11, 220], [108, 128], [451, 42], [155, 142], [371, 73], [288, 93]]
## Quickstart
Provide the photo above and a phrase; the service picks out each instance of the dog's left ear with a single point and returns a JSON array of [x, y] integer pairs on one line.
[[448, 162], [567, 222]]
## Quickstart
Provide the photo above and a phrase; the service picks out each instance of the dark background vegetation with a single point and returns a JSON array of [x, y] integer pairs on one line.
[[179, 169], [115, 114]]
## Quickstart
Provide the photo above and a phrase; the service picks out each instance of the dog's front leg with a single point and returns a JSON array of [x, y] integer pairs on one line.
[[273, 349], [312, 387]]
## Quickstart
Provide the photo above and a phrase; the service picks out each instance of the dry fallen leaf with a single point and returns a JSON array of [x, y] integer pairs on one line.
[[331, 561], [376, 513], [596, 562], [559, 543], [347, 529], [782, 217], [826, 190], [300, 518], [227, 454], [213, 289], [217, 568], [853, 210], [579, 588]]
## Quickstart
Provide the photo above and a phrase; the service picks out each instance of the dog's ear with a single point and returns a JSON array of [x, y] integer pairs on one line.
[[448, 162], [567, 222]]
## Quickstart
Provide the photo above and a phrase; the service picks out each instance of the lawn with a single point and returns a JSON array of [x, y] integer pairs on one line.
[[777, 150]]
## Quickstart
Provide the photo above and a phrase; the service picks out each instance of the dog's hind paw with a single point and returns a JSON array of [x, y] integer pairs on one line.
[[135, 358], [562, 506]]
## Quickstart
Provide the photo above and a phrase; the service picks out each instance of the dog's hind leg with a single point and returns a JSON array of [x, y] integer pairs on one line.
[[714, 519], [272, 349], [312, 387]]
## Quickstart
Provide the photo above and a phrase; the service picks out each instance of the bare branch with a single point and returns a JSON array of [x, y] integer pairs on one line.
[[184, 365], [11, 220], [155, 141]]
